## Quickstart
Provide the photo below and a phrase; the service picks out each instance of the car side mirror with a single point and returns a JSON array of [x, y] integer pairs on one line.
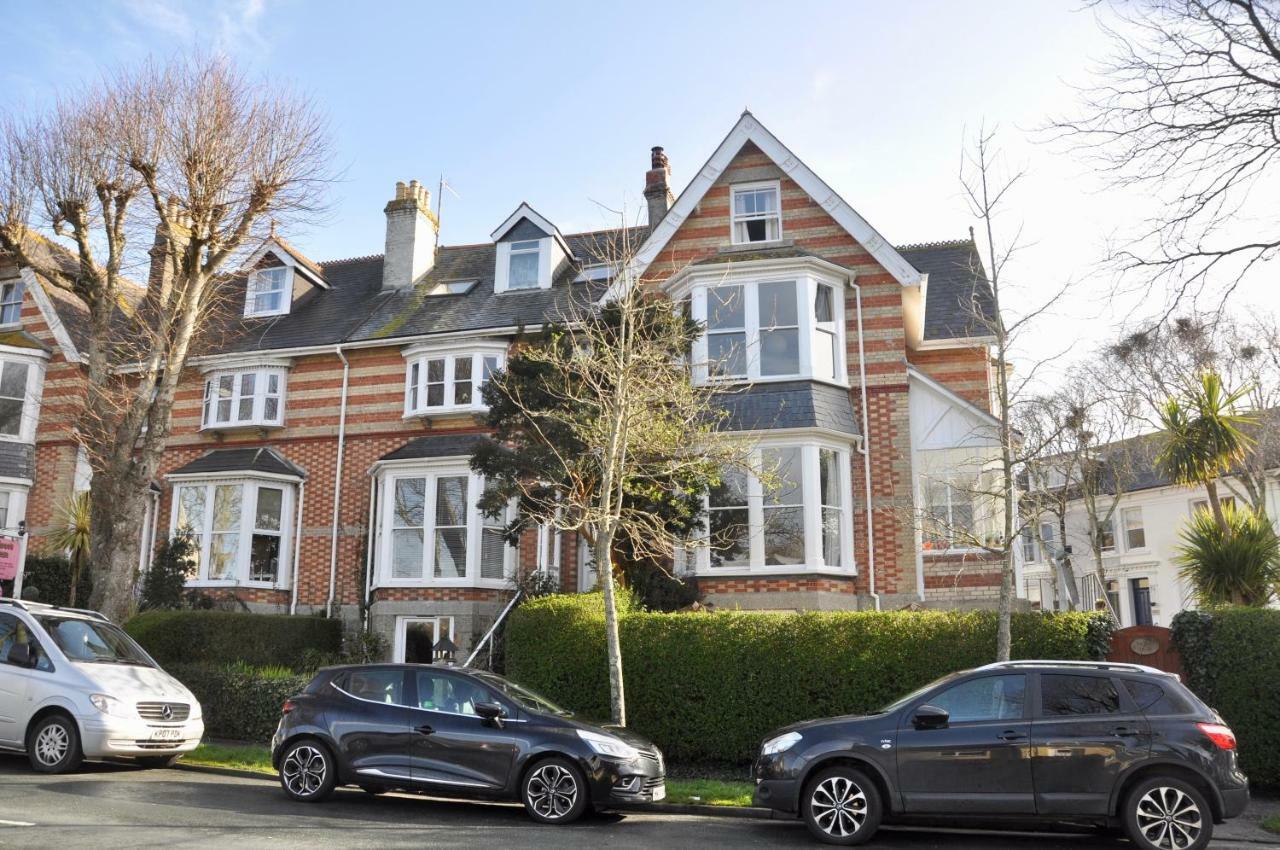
[[490, 712], [21, 655], [930, 717]]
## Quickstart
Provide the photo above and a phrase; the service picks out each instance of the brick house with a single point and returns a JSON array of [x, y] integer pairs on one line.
[[331, 429]]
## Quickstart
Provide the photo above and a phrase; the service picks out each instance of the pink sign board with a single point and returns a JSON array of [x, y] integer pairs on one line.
[[9, 547]]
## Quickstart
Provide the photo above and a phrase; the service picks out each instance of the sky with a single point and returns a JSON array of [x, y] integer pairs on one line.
[[558, 103]]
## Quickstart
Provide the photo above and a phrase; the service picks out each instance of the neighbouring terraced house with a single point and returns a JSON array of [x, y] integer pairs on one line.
[[319, 453]]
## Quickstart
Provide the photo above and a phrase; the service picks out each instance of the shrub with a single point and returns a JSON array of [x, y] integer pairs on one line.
[[240, 702], [708, 687], [164, 585], [223, 637], [48, 579], [1232, 659], [1239, 566]]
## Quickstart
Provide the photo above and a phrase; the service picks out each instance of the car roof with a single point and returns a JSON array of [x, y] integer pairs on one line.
[[1074, 665], [45, 608]]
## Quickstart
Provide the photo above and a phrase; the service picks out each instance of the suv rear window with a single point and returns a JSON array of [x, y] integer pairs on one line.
[[1156, 700], [1062, 694]]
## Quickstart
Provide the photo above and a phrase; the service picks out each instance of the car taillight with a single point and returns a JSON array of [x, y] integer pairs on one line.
[[289, 705], [1219, 734]]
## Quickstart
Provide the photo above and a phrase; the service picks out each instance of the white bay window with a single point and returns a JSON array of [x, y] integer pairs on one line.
[[240, 528], [444, 380], [245, 397]]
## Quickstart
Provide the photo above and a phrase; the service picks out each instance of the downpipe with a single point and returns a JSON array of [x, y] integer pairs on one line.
[[337, 482], [864, 448]]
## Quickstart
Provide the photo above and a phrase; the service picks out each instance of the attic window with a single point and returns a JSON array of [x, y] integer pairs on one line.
[[756, 213], [451, 287], [523, 270], [598, 271], [10, 303], [268, 292]]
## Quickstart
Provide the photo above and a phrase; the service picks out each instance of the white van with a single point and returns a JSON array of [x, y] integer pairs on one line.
[[74, 686]]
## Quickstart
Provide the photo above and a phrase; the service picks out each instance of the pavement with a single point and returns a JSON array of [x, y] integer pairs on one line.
[[121, 806]]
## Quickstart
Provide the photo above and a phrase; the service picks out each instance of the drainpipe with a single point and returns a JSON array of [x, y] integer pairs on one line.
[[368, 552], [297, 549], [864, 448], [337, 482]]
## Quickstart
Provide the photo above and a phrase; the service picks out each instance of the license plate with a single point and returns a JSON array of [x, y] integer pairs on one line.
[[166, 734], [659, 793]]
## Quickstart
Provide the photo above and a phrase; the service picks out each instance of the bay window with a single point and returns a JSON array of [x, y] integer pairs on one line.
[[433, 533], [244, 397], [787, 511], [769, 329], [239, 527], [439, 381]]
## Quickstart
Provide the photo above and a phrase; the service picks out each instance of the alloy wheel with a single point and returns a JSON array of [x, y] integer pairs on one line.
[[839, 806], [552, 791], [304, 771], [1168, 818], [52, 744]]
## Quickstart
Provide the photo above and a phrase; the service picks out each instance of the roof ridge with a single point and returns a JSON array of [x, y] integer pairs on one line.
[[351, 259], [942, 243]]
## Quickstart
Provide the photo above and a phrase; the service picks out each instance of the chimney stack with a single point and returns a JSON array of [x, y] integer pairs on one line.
[[412, 229], [657, 186], [162, 261]]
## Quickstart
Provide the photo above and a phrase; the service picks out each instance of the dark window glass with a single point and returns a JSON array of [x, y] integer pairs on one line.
[[1155, 700], [988, 698], [376, 685], [1067, 695]]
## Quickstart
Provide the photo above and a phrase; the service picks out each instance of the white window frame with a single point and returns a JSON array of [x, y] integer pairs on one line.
[[810, 335], [247, 527], [524, 248], [951, 483], [29, 417], [11, 293], [416, 372], [402, 627], [811, 501], [476, 522], [1124, 524], [262, 380], [734, 219], [282, 283], [1115, 540]]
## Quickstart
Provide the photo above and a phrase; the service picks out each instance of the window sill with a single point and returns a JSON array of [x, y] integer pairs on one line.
[[16, 438], [482, 584], [796, 569], [771, 379], [242, 426], [272, 315], [234, 583], [434, 412], [746, 247]]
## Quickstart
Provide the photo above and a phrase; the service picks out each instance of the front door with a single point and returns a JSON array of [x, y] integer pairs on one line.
[[979, 761], [373, 723], [1086, 733], [1140, 590], [453, 747]]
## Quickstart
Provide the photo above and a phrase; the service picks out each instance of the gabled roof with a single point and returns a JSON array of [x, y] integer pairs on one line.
[[524, 211], [291, 256], [262, 460], [748, 129], [959, 303]]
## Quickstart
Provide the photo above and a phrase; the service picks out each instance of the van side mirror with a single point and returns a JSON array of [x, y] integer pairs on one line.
[[490, 712], [930, 717], [21, 655]]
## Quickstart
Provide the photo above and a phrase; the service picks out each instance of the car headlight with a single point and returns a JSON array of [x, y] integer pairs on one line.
[[780, 744], [607, 745], [109, 705]]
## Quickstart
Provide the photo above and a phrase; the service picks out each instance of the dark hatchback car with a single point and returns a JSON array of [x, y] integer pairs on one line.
[[1110, 745], [455, 732]]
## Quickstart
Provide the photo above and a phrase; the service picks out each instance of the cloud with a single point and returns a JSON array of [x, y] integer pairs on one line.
[[238, 26]]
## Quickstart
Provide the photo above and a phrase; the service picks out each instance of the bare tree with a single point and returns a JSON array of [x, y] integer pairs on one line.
[[1187, 108], [195, 154]]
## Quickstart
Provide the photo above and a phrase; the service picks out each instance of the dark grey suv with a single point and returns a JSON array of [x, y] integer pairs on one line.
[[1113, 745]]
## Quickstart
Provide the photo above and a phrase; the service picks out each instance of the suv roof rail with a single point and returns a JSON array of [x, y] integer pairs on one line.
[[1095, 665], [27, 605]]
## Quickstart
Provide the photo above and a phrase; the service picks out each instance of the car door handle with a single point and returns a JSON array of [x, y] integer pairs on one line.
[[1010, 735], [424, 730], [1124, 731]]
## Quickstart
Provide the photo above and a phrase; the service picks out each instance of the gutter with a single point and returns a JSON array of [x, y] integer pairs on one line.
[[337, 481], [297, 549], [864, 448]]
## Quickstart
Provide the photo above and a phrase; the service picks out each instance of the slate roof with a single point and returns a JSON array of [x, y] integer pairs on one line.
[[442, 445], [261, 459], [958, 289], [788, 404]]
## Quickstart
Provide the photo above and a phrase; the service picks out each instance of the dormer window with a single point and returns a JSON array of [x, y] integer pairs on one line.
[[757, 215], [11, 303], [268, 292], [523, 268]]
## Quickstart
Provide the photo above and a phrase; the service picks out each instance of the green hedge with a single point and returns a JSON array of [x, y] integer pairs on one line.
[[223, 637], [708, 687], [1232, 660], [240, 703]]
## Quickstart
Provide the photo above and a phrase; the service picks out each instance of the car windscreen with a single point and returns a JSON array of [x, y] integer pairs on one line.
[[93, 641], [527, 698], [901, 702]]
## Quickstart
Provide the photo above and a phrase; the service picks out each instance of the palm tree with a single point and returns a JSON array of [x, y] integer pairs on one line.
[[71, 535], [1204, 437], [1239, 568]]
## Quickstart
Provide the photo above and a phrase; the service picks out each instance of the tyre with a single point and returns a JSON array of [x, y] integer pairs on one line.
[[1167, 813], [307, 771], [554, 791], [841, 806], [53, 745], [155, 762]]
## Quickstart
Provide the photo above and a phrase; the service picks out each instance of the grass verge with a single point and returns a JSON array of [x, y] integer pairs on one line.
[[1272, 824], [706, 792]]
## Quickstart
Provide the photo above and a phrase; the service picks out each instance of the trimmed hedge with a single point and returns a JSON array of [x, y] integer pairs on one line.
[[708, 687], [223, 637], [1232, 660], [240, 703]]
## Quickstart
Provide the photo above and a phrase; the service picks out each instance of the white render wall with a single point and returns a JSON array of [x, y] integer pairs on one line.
[[1165, 510]]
